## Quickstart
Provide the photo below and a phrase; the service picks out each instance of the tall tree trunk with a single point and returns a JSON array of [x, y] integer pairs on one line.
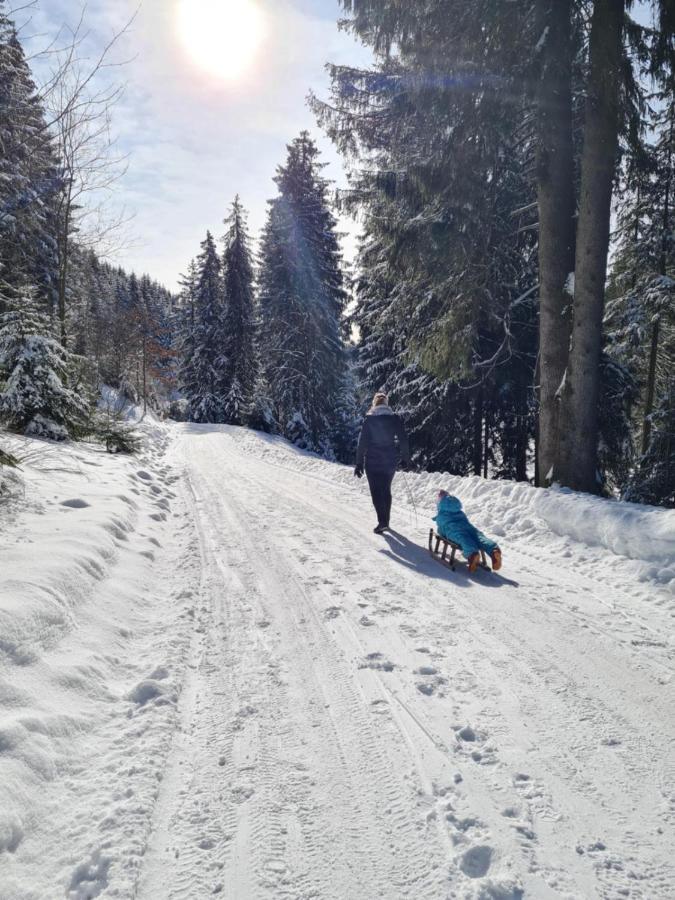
[[64, 264], [651, 388], [555, 195], [145, 376], [478, 430], [521, 431], [486, 445], [579, 410]]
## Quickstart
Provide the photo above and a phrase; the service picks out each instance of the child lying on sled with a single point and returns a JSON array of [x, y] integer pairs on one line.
[[453, 525]]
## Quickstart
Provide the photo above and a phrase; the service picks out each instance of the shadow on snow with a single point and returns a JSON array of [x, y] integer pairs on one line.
[[417, 559]]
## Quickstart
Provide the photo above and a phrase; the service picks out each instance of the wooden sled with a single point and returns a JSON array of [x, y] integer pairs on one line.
[[435, 543]]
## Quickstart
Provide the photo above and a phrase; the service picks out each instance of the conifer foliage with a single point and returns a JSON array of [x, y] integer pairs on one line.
[[117, 326], [238, 319], [35, 369], [29, 178], [301, 302], [472, 140], [640, 319], [204, 372]]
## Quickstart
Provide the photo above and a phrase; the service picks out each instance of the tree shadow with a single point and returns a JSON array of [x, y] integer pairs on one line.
[[418, 559]]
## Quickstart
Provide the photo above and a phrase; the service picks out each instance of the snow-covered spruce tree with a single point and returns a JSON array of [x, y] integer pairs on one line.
[[239, 319], [301, 301], [640, 318], [29, 178], [440, 174], [261, 415], [204, 367], [36, 396], [654, 478], [438, 415], [461, 95]]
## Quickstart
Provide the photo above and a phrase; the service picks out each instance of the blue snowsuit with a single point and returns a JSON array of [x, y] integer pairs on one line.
[[453, 525]]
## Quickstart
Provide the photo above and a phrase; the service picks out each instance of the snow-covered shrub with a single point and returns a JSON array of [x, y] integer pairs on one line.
[[298, 432], [235, 408], [36, 396], [8, 476], [261, 417], [109, 424], [178, 410], [42, 427]]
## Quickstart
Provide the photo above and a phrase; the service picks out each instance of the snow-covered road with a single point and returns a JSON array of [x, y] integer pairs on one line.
[[354, 720]]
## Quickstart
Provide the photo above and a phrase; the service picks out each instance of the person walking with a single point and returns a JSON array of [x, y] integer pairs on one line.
[[383, 438]]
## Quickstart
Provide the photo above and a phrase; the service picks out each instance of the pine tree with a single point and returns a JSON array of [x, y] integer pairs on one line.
[[654, 479], [447, 291], [238, 319], [204, 370], [29, 177], [301, 301], [36, 396], [640, 320], [469, 107]]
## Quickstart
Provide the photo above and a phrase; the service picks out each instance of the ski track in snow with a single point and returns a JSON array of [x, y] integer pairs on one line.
[[228, 686]]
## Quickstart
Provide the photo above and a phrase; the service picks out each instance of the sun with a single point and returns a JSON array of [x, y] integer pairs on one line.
[[222, 37]]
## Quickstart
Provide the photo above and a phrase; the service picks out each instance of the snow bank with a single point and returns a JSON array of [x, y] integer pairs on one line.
[[93, 628], [627, 529], [516, 512]]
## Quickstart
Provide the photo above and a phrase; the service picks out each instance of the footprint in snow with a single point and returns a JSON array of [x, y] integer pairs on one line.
[[525, 831], [377, 662], [332, 612], [206, 843], [242, 793], [90, 878], [151, 690], [76, 503], [476, 861]]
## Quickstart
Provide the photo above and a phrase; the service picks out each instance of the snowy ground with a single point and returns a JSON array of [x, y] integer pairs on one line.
[[216, 681]]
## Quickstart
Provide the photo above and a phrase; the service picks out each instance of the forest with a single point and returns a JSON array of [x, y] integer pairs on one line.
[[512, 168]]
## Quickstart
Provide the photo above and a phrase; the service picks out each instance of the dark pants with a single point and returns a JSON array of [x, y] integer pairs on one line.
[[379, 482]]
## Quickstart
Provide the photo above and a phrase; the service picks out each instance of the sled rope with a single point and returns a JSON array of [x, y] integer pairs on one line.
[[412, 499]]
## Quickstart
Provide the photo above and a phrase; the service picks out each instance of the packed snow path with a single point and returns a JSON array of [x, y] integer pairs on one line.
[[356, 721]]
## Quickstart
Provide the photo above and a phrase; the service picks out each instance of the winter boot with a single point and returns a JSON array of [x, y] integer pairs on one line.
[[380, 529], [496, 559], [474, 561]]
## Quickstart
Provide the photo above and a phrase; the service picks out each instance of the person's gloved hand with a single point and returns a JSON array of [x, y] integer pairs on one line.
[[358, 471]]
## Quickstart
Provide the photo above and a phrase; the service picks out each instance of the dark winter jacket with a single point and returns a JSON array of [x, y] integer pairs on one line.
[[382, 438]]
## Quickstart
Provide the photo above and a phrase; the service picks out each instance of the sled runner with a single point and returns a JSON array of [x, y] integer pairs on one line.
[[435, 544]]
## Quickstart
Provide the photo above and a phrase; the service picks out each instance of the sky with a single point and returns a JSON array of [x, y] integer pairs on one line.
[[193, 138]]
